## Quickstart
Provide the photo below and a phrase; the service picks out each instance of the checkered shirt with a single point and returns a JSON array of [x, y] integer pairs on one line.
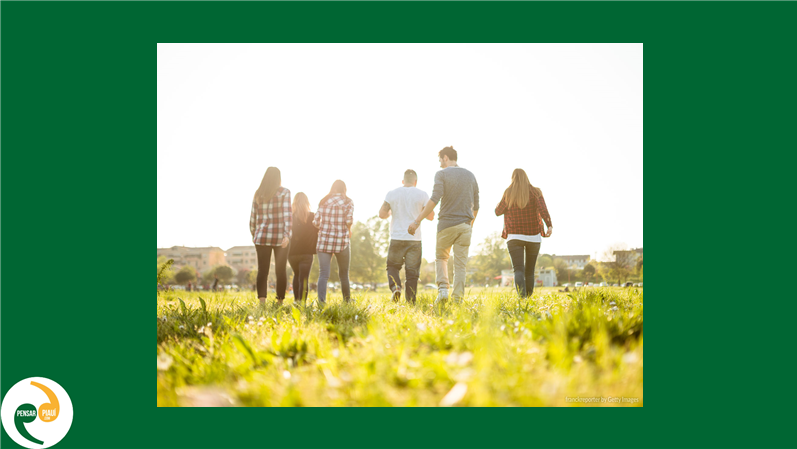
[[271, 221], [525, 221], [333, 219]]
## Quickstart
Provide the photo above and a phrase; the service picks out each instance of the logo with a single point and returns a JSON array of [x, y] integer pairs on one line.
[[36, 413]]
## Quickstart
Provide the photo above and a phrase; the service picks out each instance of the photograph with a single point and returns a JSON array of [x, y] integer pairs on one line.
[[371, 225]]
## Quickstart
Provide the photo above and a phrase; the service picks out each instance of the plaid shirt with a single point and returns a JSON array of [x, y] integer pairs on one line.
[[272, 221], [333, 219], [525, 221]]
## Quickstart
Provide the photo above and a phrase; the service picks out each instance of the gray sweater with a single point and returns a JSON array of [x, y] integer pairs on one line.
[[459, 192]]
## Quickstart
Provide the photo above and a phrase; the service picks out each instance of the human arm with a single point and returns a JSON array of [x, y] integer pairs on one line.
[[501, 207], [350, 216], [384, 212], [287, 213], [317, 219], [253, 219], [543, 208], [427, 210], [475, 200]]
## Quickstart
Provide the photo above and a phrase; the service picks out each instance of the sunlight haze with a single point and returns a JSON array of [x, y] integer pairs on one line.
[[570, 115]]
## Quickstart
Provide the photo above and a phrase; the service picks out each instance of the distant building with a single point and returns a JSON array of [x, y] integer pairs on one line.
[[573, 262], [544, 277], [242, 257], [202, 259], [629, 257]]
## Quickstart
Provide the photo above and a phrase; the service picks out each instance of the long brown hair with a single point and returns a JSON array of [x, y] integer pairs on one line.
[[272, 181], [301, 207], [520, 191], [337, 187]]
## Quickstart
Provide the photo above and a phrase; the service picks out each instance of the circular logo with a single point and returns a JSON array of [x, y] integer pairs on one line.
[[36, 412]]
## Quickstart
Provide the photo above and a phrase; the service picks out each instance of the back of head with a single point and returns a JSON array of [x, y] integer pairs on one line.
[[337, 187], [519, 190], [410, 177], [271, 181], [448, 151], [301, 207]]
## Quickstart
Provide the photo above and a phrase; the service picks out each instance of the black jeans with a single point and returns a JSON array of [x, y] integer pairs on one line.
[[301, 266], [264, 264], [524, 269], [401, 252]]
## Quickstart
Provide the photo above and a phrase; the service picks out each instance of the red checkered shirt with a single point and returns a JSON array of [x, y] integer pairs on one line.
[[271, 221], [333, 219], [525, 221]]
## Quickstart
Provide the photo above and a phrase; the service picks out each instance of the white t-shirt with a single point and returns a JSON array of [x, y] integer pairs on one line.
[[405, 203], [536, 238]]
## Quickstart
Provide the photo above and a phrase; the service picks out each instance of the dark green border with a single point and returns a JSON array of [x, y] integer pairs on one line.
[[79, 194]]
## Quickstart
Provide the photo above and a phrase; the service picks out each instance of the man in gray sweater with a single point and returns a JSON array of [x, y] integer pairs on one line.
[[458, 193]]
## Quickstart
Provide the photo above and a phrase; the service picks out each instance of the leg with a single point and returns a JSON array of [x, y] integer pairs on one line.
[[442, 252], [516, 249], [413, 270], [280, 265], [343, 272], [395, 259], [263, 265], [304, 268], [324, 264], [461, 248], [294, 262], [532, 250]]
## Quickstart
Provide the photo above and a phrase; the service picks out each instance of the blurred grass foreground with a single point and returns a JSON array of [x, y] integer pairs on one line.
[[582, 348]]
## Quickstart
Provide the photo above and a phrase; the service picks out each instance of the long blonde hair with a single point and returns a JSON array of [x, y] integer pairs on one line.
[[301, 207], [520, 190], [268, 185]]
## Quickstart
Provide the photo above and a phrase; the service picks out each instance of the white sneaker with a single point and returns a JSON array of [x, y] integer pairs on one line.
[[442, 296]]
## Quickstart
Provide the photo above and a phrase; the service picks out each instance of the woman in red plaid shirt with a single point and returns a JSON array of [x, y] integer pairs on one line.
[[270, 224], [524, 210], [333, 220]]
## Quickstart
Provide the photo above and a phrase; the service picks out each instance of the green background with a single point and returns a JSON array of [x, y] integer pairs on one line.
[[79, 206]]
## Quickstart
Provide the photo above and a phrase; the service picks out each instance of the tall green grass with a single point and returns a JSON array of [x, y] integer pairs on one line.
[[493, 349]]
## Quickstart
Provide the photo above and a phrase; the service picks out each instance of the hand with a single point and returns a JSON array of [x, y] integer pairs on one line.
[[413, 227], [285, 241], [548, 233]]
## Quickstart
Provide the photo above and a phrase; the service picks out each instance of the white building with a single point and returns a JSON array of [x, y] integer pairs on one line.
[[573, 262], [242, 258], [202, 259], [628, 258], [544, 277]]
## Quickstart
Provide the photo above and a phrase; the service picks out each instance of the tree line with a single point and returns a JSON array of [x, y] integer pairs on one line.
[[369, 244]]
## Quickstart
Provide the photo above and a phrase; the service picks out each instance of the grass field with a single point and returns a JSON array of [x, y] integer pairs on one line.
[[224, 349]]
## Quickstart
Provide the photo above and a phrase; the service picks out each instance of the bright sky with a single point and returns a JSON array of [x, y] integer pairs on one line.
[[568, 114]]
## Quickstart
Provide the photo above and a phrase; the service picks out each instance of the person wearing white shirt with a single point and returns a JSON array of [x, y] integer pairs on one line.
[[404, 204]]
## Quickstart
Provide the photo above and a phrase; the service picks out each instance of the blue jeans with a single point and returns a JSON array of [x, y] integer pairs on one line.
[[325, 266], [401, 252]]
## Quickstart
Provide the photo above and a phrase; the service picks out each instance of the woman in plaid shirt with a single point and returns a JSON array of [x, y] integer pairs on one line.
[[270, 224], [333, 220], [524, 210]]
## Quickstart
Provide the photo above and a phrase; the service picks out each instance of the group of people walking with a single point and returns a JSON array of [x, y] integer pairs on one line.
[[327, 232]]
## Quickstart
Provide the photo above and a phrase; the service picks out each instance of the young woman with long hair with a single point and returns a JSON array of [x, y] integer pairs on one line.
[[333, 220], [303, 244], [524, 211], [270, 224]]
